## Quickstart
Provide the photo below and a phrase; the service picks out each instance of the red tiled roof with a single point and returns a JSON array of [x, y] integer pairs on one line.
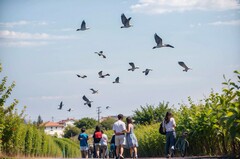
[[52, 124]]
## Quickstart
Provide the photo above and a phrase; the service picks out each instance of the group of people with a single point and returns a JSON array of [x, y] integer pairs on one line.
[[100, 143], [124, 137]]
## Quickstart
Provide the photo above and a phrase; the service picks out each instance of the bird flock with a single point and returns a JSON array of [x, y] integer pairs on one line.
[[101, 74]]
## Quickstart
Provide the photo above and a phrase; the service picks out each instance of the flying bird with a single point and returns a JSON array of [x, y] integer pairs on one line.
[[79, 76], [83, 26], [94, 91], [100, 53], [125, 21], [133, 67], [69, 110], [107, 107], [116, 80], [101, 74], [147, 71], [184, 66], [158, 40], [87, 101], [60, 106]]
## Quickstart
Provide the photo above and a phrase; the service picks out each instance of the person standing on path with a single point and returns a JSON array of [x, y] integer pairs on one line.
[[83, 138], [97, 136], [131, 140], [119, 128], [169, 125], [104, 142]]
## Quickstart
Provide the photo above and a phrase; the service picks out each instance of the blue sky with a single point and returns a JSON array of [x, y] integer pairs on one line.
[[42, 52]]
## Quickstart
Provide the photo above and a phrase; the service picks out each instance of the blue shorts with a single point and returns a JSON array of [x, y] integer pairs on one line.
[[84, 148]]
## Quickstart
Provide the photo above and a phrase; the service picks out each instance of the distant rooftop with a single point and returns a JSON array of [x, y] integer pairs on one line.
[[52, 124]]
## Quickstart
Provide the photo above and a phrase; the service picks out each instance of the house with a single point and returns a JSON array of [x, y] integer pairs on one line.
[[67, 122], [57, 128], [53, 128]]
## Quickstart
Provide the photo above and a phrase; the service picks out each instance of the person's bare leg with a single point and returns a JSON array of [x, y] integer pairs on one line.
[[86, 154], [117, 151], [121, 150], [103, 152], [135, 150], [131, 152], [83, 154], [98, 151]]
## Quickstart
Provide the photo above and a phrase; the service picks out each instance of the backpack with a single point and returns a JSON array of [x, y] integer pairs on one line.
[[97, 136], [162, 129]]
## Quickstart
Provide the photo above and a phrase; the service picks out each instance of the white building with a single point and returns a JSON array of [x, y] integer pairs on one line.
[[57, 128], [53, 128]]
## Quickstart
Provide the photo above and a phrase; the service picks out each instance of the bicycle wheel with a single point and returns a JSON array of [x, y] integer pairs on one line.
[[184, 150]]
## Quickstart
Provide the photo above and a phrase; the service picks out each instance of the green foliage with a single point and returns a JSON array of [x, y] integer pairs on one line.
[[107, 124], [151, 143], [214, 126], [5, 111], [87, 123], [71, 131], [150, 114], [28, 140], [69, 148], [36, 142]]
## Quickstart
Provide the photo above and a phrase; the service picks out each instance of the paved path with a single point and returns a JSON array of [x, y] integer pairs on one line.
[[188, 157]]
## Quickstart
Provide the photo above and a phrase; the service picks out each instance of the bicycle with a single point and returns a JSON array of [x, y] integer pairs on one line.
[[182, 144], [112, 151]]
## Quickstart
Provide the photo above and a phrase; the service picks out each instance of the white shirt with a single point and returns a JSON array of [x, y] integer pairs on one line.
[[170, 125], [104, 139], [119, 126]]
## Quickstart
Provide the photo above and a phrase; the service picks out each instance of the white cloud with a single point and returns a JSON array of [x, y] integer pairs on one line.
[[74, 96], [167, 6], [23, 43], [6, 34], [230, 22], [195, 25], [218, 23], [24, 39], [21, 23]]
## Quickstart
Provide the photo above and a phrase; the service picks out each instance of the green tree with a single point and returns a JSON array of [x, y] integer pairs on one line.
[[88, 123], [71, 131], [108, 123], [5, 93], [150, 114], [39, 120]]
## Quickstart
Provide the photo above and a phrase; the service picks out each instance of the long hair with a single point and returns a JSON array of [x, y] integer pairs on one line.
[[97, 128], [129, 121], [166, 117]]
